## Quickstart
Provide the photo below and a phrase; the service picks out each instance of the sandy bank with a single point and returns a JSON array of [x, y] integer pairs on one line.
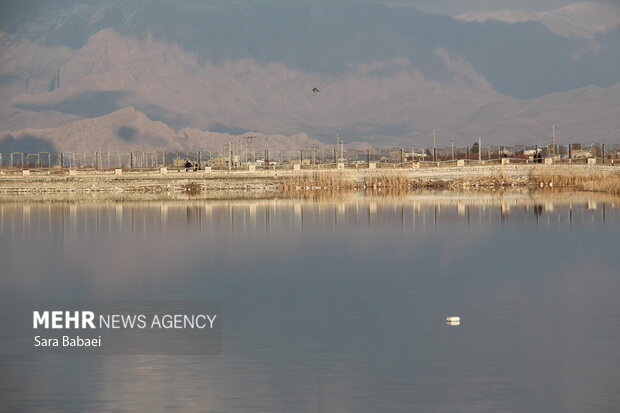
[[271, 182]]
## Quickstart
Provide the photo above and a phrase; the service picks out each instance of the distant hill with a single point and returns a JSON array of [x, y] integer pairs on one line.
[[386, 75], [129, 129], [578, 20]]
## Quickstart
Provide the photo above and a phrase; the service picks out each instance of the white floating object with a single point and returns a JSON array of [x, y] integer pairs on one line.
[[453, 320]]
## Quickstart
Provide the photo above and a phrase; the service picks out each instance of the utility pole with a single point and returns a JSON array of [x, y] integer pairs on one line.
[[479, 148], [336, 148], [553, 141], [314, 154], [452, 144], [434, 146]]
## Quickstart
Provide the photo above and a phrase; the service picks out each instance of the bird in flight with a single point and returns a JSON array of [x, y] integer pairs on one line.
[[315, 90]]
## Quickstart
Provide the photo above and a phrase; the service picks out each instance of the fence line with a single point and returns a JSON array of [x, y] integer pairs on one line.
[[323, 157]]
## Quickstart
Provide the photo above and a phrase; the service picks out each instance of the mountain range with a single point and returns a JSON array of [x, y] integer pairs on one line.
[[186, 74]]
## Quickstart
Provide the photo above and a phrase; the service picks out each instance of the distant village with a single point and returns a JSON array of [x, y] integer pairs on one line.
[[236, 155]]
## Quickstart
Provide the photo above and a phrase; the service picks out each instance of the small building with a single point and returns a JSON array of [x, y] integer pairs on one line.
[[531, 152], [224, 161], [581, 153], [180, 162]]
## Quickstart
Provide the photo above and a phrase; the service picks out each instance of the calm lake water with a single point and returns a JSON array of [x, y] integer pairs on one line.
[[333, 306]]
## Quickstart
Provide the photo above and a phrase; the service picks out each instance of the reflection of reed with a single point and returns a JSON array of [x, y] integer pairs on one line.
[[263, 215]]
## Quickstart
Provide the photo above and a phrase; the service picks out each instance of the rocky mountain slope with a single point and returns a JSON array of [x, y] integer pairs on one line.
[[77, 73], [129, 129]]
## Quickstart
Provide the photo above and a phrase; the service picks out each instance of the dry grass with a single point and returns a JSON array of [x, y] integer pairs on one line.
[[582, 181], [192, 188], [332, 182], [319, 181]]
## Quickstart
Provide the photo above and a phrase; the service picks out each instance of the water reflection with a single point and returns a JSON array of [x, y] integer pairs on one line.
[[334, 306], [420, 212]]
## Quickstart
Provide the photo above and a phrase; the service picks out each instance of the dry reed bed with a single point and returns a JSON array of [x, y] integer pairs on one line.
[[589, 182], [332, 181]]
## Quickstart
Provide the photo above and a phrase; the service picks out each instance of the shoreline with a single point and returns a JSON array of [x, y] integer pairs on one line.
[[272, 183]]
